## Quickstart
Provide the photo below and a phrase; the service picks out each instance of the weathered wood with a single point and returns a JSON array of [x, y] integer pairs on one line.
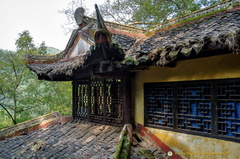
[[74, 104], [116, 74], [214, 109], [119, 146], [124, 144], [101, 103], [126, 87], [175, 108]]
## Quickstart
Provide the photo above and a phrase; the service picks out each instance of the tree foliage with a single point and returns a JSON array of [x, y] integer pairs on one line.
[[150, 11], [22, 95], [14, 74], [42, 50], [25, 43], [120, 11], [141, 13]]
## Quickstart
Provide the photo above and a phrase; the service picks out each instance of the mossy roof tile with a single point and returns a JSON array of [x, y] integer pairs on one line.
[[208, 30]]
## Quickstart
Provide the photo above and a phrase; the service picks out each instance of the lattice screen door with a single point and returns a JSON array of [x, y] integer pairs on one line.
[[99, 101]]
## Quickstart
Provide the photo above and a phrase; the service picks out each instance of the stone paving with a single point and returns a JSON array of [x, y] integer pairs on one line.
[[76, 140]]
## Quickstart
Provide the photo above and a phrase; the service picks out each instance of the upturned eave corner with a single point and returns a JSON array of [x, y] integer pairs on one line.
[[208, 32]]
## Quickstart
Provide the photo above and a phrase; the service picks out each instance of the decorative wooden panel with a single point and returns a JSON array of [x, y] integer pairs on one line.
[[194, 107], [229, 109], [82, 99], [203, 107], [100, 101], [159, 108]]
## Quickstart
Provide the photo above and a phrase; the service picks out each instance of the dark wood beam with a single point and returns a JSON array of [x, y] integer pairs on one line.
[[126, 88], [74, 102], [116, 74]]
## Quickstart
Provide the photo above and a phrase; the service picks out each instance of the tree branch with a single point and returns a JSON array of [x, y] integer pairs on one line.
[[14, 121]]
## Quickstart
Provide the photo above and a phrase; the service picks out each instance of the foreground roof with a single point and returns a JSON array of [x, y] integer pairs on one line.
[[63, 141], [75, 140], [211, 31]]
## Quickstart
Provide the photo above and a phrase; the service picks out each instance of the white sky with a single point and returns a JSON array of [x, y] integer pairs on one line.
[[40, 17]]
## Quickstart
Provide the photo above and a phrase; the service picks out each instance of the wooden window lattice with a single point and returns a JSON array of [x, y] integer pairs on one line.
[[100, 101], [194, 108], [82, 99], [229, 109], [210, 108], [160, 106]]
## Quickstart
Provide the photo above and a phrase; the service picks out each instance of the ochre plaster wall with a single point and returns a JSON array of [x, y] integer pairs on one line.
[[189, 146], [198, 147]]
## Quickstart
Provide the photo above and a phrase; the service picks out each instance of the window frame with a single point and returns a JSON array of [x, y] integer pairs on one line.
[[214, 107]]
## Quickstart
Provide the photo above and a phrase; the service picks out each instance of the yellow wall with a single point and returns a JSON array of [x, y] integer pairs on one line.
[[197, 147], [216, 67]]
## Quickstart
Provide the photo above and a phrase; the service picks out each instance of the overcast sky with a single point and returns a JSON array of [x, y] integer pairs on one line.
[[40, 17]]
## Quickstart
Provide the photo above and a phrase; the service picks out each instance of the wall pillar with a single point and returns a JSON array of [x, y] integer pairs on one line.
[[126, 93]]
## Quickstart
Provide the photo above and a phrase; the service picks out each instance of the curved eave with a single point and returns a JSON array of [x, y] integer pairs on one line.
[[198, 38], [37, 59], [209, 35], [60, 71]]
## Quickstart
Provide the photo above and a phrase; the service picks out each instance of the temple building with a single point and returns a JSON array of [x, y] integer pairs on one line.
[[178, 82]]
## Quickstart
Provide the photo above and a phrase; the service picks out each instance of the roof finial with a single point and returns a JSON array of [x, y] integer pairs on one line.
[[100, 21], [101, 29]]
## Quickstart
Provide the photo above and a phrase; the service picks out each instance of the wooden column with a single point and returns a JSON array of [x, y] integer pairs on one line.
[[89, 100], [74, 102], [175, 108], [104, 101], [214, 110], [126, 93]]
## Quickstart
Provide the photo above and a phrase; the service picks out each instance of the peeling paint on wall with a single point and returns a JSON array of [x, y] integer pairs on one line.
[[186, 145]]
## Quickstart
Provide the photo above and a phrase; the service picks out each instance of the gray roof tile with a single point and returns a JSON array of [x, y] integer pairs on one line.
[[75, 140], [209, 32]]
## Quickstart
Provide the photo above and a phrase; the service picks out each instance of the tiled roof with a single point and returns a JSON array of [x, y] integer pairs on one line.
[[58, 65], [76, 140], [70, 140], [197, 34], [64, 68], [214, 32]]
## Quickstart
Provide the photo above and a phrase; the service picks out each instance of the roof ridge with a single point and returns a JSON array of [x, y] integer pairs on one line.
[[120, 26], [216, 7]]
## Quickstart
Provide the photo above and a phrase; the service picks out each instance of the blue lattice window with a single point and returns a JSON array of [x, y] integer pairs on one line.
[[160, 106], [194, 107], [229, 109], [209, 108]]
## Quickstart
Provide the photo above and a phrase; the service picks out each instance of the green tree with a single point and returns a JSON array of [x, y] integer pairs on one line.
[[22, 95], [120, 11], [150, 12], [142, 13], [13, 73], [25, 43], [42, 50]]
